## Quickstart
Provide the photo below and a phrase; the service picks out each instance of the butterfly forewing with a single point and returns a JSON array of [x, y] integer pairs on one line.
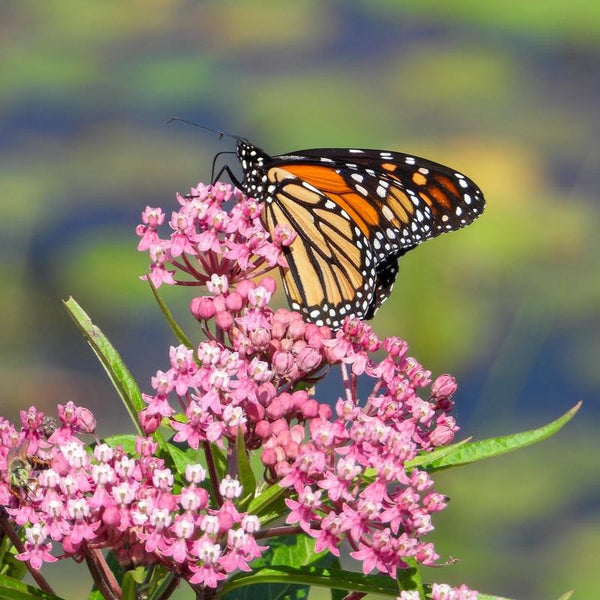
[[453, 199]]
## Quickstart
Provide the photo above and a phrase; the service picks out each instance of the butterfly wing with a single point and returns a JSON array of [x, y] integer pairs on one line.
[[332, 268], [395, 201], [407, 198], [355, 212]]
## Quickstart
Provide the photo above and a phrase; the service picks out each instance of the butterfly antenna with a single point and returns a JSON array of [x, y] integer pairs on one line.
[[221, 133]]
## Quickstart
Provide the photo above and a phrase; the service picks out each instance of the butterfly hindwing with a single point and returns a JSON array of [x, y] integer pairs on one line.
[[331, 268]]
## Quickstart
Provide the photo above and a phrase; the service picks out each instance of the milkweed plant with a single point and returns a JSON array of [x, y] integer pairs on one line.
[[244, 478]]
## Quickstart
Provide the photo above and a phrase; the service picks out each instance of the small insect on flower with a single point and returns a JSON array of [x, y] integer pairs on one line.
[[22, 468]]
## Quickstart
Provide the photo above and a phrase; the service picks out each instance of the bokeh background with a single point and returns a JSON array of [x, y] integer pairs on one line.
[[506, 92]]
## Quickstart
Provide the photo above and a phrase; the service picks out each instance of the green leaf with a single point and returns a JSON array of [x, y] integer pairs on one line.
[[285, 550], [336, 594], [160, 580], [127, 441], [292, 550], [314, 576], [111, 361], [491, 447], [422, 460], [269, 504], [138, 574], [220, 460], [9, 565], [319, 577], [410, 578], [13, 589], [13, 567], [5, 546], [566, 596], [245, 472], [181, 458], [177, 330], [113, 364], [128, 587]]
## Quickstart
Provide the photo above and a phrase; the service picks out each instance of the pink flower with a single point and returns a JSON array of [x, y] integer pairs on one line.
[[37, 550]]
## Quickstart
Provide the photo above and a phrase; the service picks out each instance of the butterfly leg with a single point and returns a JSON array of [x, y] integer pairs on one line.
[[234, 179]]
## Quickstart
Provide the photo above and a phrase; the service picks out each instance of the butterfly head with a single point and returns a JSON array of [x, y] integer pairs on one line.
[[253, 161]]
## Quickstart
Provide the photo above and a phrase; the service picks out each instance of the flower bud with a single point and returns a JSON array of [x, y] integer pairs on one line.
[[203, 308], [148, 422], [268, 457], [310, 409], [111, 516], [443, 387], [224, 320], [309, 359], [269, 284], [86, 420], [244, 287], [282, 362], [234, 302], [219, 303], [262, 429]]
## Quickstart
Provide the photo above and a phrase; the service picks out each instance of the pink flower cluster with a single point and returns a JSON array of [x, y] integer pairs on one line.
[[344, 460], [109, 499], [349, 479], [208, 241]]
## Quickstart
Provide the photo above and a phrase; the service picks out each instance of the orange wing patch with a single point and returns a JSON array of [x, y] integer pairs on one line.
[[400, 204], [447, 184], [419, 178], [439, 198], [323, 178], [334, 186]]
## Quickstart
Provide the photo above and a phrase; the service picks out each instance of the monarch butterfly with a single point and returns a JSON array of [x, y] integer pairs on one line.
[[355, 212]]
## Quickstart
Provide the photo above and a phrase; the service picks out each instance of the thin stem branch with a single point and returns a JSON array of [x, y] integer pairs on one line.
[[274, 531], [212, 471], [171, 586], [346, 381], [103, 576], [354, 596]]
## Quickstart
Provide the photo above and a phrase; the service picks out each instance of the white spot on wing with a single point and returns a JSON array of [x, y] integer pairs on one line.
[[387, 213]]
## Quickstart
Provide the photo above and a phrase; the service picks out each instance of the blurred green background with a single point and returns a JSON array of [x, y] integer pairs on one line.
[[506, 92]]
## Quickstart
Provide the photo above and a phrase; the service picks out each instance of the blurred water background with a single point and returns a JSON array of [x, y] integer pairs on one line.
[[505, 92]]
